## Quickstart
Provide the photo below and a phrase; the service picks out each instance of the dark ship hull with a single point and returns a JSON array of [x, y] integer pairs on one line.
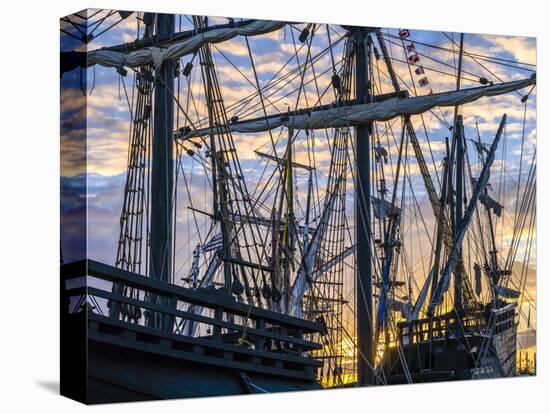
[[447, 348], [115, 360], [123, 366]]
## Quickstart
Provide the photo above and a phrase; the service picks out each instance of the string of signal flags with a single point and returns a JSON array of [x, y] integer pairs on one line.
[[414, 59]]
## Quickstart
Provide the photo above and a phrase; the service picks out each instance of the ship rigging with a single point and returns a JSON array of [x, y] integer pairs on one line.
[[348, 213]]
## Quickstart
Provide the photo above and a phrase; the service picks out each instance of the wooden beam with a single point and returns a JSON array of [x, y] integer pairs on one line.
[[204, 297]]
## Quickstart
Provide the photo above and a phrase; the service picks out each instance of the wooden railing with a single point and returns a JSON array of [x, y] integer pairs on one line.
[[437, 327], [237, 331]]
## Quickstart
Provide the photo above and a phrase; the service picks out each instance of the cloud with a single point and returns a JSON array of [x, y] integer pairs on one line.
[[524, 49]]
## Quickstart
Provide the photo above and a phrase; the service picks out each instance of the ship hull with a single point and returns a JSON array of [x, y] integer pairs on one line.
[[124, 362], [120, 374], [437, 354], [109, 359]]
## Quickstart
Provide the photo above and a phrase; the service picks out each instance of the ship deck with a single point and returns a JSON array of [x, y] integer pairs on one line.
[[448, 347], [273, 357]]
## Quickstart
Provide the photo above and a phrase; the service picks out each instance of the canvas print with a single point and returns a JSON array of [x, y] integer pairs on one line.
[[253, 206]]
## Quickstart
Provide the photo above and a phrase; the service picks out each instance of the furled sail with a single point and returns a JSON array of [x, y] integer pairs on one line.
[[358, 114], [157, 55]]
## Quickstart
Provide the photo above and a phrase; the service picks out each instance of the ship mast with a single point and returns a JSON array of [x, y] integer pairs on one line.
[[365, 349], [458, 134], [162, 173]]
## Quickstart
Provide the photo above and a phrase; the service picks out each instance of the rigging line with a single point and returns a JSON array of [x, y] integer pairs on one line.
[[109, 28], [127, 99], [319, 95], [141, 130], [262, 100], [188, 184], [479, 63], [305, 268], [525, 268], [71, 35], [439, 61], [252, 111], [434, 70], [75, 25], [333, 238], [100, 21], [345, 71], [521, 285], [86, 18], [246, 197], [509, 280], [356, 348], [416, 94], [302, 74], [247, 100], [191, 96], [479, 221], [491, 59], [525, 202], [176, 100], [131, 180], [261, 190], [130, 234], [272, 82], [393, 220], [330, 46], [314, 78], [417, 205], [213, 88], [521, 157], [409, 89], [422, 115], [205, 166], [242, 74], [502, 183], [396, 85]]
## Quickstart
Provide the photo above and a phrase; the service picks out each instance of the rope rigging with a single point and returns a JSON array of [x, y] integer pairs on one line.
[[276, 226]]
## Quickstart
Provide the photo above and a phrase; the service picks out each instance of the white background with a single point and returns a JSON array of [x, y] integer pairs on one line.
[[29, 201]]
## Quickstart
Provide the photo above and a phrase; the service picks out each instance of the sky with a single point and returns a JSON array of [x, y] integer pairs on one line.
[[95, 115]]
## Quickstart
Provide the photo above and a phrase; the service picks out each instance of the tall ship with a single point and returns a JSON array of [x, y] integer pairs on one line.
[[303, 206]]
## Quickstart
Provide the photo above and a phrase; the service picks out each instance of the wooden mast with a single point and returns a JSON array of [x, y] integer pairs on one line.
[[365, 350], [162, 176], [458, 134]]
